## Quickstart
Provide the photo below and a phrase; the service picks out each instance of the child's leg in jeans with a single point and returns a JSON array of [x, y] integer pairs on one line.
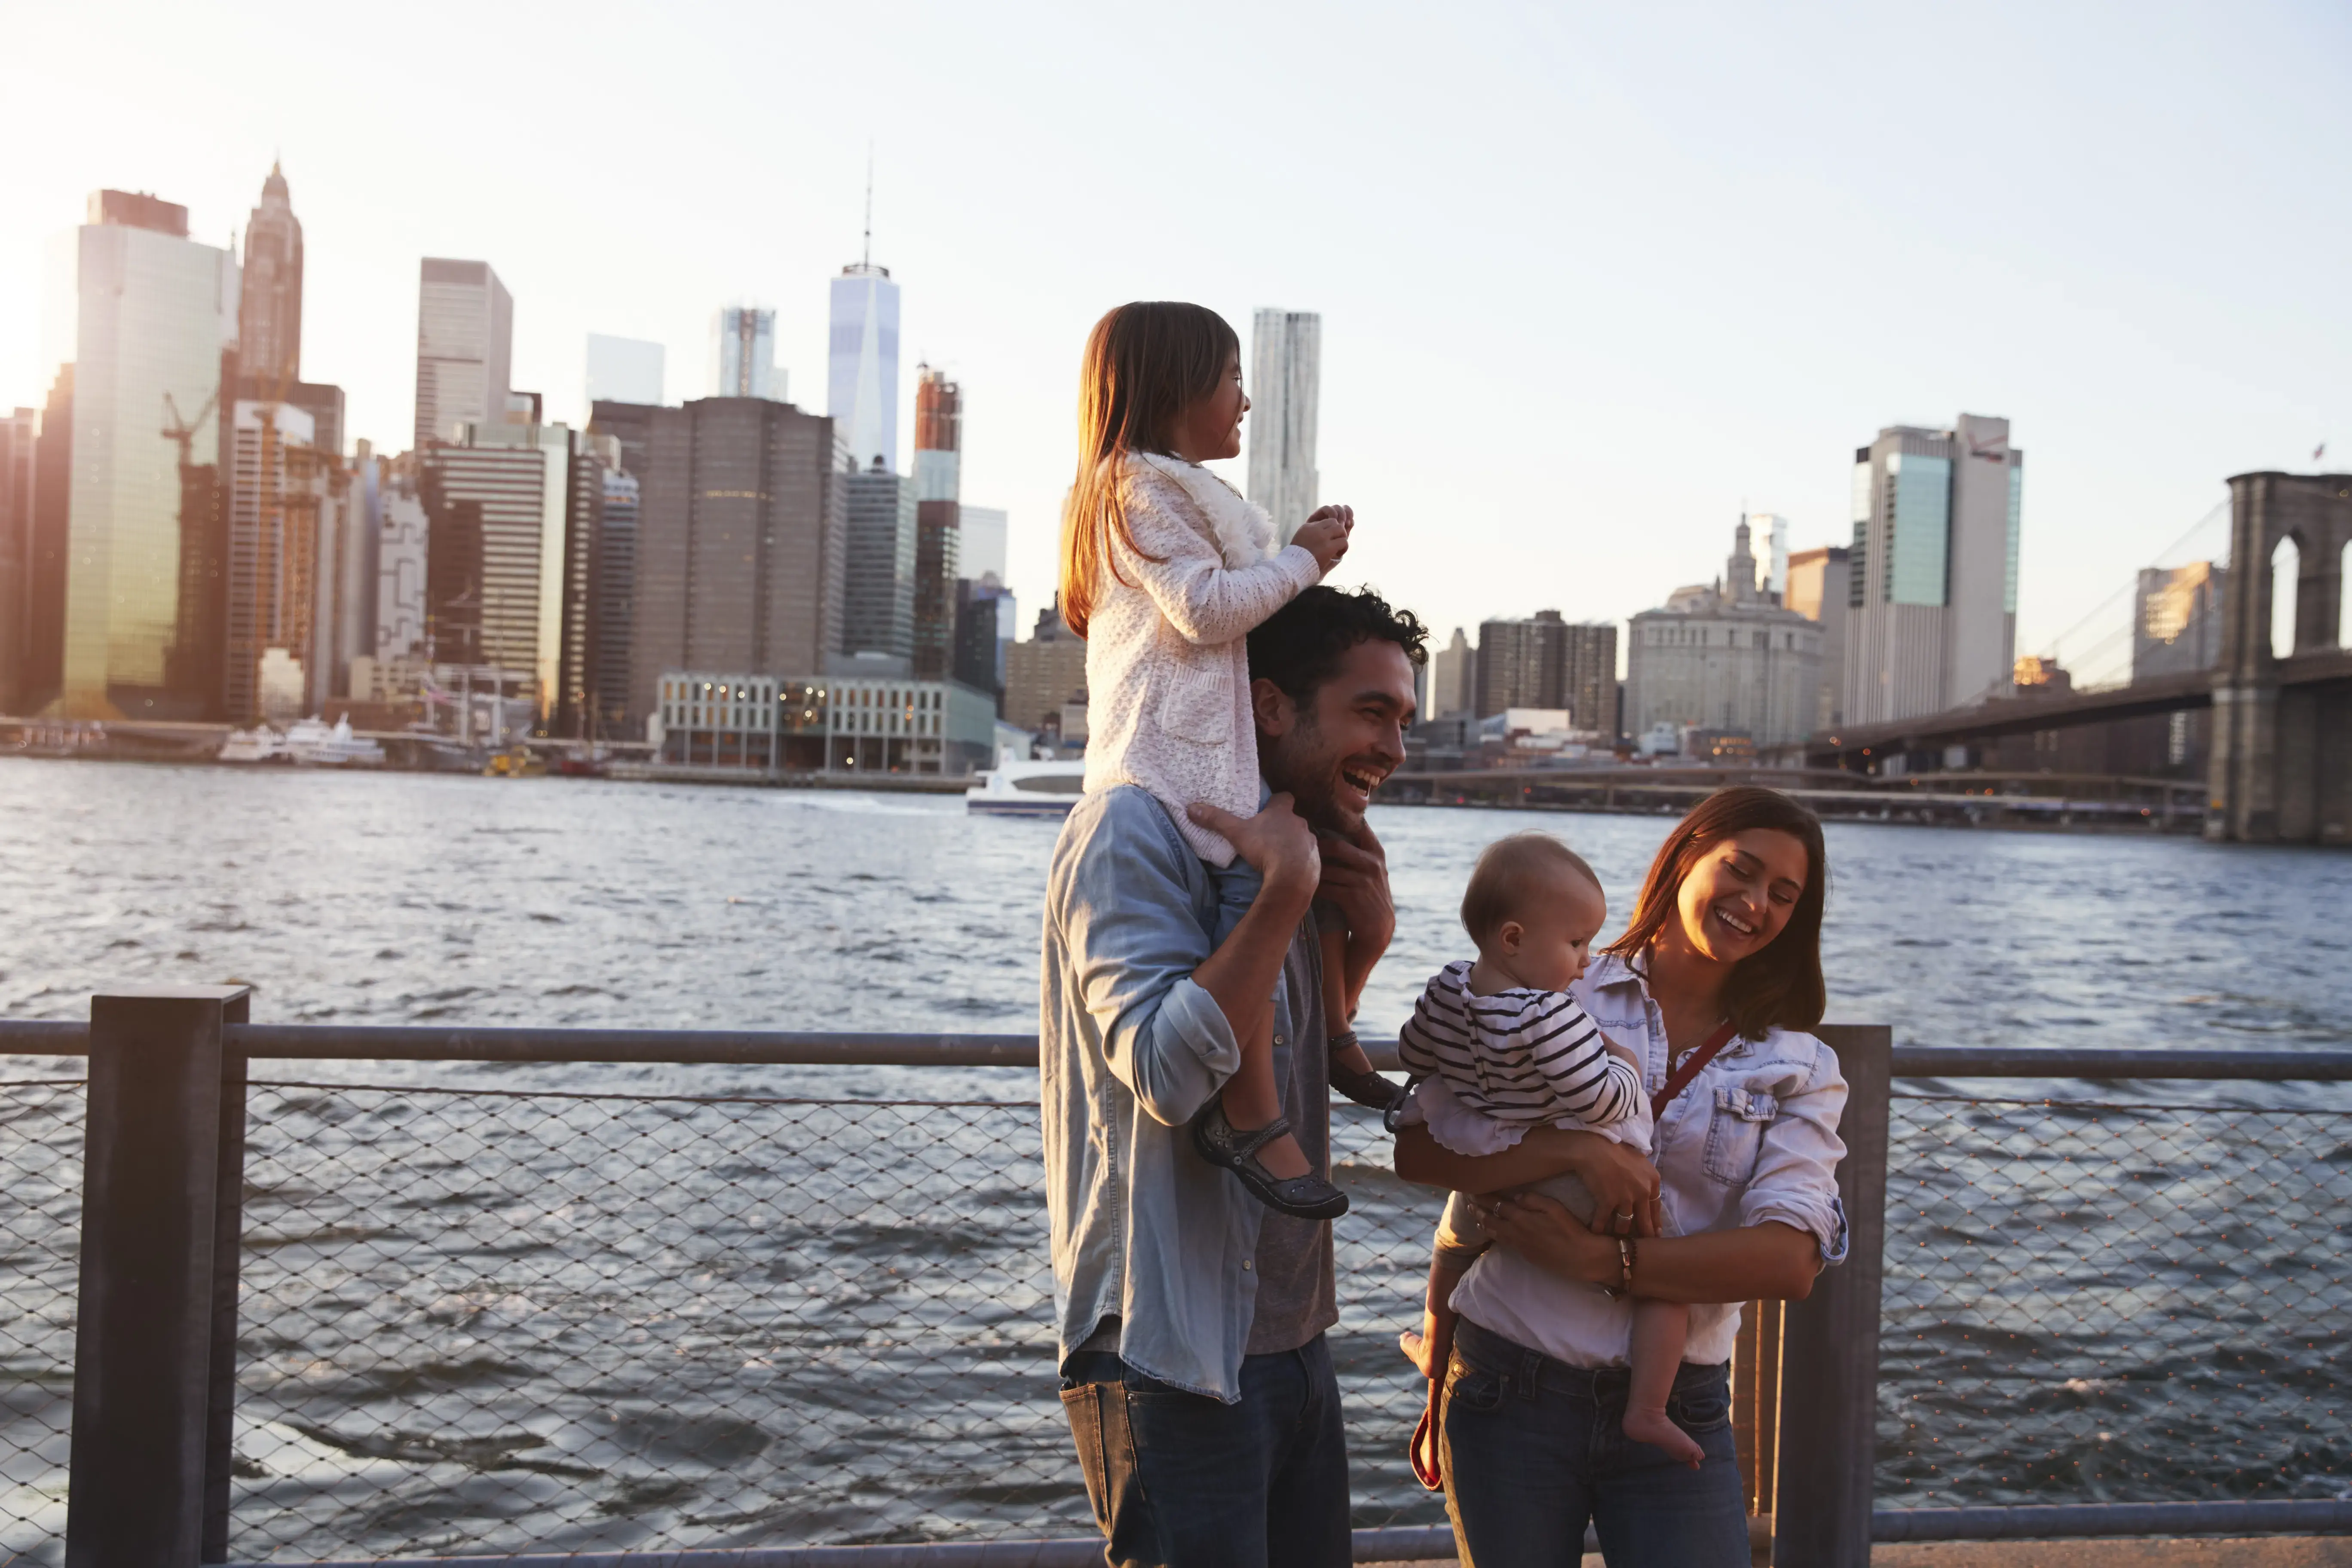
[[1460, 1239], [1250, 1097], [1659, 1329]]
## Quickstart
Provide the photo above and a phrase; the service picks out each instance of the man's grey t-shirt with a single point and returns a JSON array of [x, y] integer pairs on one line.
[[1296, 1299]]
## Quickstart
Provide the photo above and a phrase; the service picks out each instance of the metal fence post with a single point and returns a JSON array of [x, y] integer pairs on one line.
[[1829, 1383], [148, 1337]]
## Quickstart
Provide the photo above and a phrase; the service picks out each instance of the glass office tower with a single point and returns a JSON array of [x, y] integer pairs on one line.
[[862, 392], [152, 313]]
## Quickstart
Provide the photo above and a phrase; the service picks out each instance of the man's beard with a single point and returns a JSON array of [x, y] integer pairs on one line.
[[1298, 763]]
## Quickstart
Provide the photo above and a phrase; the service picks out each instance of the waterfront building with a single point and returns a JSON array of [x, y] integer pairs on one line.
[[2177, 624], [1932, 582], [1817, 588], [498, 500], [154, 313], [831, 723], [937, 570], [878, 573], [624, 369], [743, 354], [465, 348], [631, 424], [1453, 674], [862, 384], [742, 520], [1046, 677], [1547, 662], [1724, 660], [19, 440], [1285, 383]]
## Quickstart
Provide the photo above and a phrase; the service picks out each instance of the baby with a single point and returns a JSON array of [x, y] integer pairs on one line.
[[1166, 570], [1513, 1044]]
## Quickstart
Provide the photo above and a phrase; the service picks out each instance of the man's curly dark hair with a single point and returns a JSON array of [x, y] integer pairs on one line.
[[1298, 647]]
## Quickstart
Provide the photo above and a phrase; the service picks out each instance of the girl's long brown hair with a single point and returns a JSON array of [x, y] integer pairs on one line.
[[1781, 985], [1146, 363]]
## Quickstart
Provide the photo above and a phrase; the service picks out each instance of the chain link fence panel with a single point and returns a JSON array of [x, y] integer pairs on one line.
[[41, 1123], [2097, 1301], [479, 1320]]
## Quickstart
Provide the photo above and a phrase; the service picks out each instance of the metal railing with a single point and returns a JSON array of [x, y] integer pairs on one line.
[[311, 1320]]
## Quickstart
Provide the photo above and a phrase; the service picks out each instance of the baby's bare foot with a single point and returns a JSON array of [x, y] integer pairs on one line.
[[1653, 1427], [1415, 1346]]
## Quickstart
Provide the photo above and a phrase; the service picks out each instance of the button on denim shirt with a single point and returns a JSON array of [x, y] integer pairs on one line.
[[1753, 1138], [1129, 1047]]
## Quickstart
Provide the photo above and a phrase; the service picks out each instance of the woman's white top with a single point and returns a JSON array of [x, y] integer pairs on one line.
[[1167, 703], [1752, 1138]]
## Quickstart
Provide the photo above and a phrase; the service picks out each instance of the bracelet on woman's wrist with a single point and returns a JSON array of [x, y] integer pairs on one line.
[[1624, 1269]]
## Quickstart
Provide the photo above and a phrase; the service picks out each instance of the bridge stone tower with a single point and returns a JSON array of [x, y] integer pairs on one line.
[[2282, 767]]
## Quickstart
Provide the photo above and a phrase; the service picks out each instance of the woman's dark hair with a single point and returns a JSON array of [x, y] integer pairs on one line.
[[1146, 363], [1781, 985], [1300, 646]]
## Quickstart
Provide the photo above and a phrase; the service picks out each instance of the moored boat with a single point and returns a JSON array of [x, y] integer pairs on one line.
[[1019, 788], [259, 744], [313, 744]]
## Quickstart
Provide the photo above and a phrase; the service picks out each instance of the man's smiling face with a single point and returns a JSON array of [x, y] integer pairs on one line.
[[1334, 750]]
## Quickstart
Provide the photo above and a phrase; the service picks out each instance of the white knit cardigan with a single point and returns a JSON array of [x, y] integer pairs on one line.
[[1167, 703]]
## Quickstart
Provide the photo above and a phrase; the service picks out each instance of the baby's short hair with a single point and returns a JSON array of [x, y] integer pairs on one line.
[[1504, 876]]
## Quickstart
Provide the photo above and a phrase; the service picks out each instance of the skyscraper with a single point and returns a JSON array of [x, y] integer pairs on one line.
[[48, 550], [498, 502], [1285, 381], [939, 436], [939, 477], [1932, 572], [20, 439], [270, 311], [738, 548], [862, 390], [1453, 679], [273, 553], [1547, 662], [980, 552], [464, 347], [743, 354], [624, 369], [1817, 589], [153, 312], [878, 580], [1771, 531]]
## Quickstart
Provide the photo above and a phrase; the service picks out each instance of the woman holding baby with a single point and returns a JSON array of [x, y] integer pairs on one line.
[[1707, 995]]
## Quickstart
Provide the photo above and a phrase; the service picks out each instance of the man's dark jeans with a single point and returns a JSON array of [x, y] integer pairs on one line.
[[1181, 1480], [1534, 1449]]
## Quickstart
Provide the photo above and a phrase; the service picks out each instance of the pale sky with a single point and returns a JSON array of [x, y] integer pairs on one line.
[[1592, 278]]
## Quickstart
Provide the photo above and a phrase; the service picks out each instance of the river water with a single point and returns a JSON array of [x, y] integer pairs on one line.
[[728, 1306]]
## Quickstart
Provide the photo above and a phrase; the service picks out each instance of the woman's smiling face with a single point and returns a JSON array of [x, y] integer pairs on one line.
[[1740, 894]]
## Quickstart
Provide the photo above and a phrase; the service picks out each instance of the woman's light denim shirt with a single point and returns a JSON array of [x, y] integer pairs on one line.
[[1130, 1046], [1753, 1138]]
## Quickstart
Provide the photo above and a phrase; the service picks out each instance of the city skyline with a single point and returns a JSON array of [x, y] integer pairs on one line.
[[2093, 304]]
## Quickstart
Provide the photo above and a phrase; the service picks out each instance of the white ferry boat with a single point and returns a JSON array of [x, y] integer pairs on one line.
[[1020, 788], [259, 744], [312, 744]]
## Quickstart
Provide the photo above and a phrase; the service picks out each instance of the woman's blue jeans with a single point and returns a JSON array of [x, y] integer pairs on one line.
[[1533, 1448]]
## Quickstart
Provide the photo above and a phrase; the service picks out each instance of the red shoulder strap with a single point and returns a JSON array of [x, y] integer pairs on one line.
[[1692, 1064]]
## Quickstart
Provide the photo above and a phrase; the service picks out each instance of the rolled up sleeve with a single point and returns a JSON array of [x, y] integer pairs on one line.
[[1796, 1170], [1136, 932]]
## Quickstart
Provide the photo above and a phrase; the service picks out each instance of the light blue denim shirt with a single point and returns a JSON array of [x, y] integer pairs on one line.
[[1130, 1046]]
